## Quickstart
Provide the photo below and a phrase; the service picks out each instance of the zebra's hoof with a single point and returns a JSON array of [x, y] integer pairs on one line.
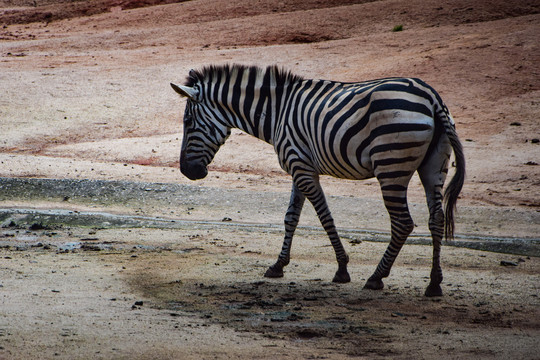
[[273, 272], [376, 284], [433, 290], [342, 277]]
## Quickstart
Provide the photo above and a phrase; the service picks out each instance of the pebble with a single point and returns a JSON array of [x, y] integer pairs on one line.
[[508, 263]]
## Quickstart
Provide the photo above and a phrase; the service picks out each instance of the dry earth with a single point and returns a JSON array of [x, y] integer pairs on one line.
[[85, 95]]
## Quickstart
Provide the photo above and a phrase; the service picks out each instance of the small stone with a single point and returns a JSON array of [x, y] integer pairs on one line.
[[37, 226], [294, 317], [508, 263]]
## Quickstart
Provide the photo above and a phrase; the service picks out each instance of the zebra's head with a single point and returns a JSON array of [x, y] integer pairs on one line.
[[203, 133]]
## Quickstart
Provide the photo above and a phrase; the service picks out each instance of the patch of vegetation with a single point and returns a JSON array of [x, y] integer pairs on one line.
[[397, 28]]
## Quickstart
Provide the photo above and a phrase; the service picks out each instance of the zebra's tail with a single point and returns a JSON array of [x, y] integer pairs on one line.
[[456, 184]]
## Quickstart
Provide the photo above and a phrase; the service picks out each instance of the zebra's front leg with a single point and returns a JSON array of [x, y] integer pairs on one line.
[[342, 275], [291, 221], [312, 190]]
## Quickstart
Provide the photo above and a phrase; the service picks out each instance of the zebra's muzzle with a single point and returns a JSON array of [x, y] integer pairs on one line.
[[193, 171]]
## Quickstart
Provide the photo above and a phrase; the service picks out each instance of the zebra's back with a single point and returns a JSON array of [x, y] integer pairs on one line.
[[357, 130]]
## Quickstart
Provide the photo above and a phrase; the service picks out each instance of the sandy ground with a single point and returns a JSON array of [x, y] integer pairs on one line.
[[197, 291], [85, 95]]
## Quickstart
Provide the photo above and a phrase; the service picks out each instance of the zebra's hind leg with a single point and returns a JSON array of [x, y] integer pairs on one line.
[[395, 200], [291, 221], [433, 174], [436, 226]]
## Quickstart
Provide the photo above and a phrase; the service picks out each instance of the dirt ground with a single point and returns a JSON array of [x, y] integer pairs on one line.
[[86, 97]]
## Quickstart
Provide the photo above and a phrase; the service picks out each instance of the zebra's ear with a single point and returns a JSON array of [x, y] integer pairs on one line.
[[186, 91]]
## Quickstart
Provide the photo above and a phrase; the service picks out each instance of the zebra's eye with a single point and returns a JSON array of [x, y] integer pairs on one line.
[[188, 120]]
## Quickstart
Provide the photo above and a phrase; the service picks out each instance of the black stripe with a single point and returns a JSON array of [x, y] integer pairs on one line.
[[249, 98], [393, 188], [216, 93], [395, 146], [399, 104], [207, 89], [265, 93], [393, 161], [235, 101], [225, 89], [395, 199], [395, 128]]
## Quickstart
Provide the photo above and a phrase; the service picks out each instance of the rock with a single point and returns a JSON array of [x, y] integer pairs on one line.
[[508, 263], [38, 226]]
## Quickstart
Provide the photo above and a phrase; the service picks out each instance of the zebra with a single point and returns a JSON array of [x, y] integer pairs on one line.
[[386, 128]]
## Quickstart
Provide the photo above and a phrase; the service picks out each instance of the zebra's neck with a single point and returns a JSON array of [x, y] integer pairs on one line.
[[250, 98]]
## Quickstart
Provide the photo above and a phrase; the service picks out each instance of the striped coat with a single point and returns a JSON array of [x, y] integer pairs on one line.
[[386, 128]]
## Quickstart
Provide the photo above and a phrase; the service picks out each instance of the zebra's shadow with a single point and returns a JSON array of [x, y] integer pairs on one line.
[[293, 310]]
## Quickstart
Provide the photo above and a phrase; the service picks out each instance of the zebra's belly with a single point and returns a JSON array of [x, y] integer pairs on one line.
[[344, 168], [363, 155], [349, 174]]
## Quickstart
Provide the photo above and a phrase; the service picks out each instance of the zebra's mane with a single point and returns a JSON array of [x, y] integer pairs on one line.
[[281, 75]]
